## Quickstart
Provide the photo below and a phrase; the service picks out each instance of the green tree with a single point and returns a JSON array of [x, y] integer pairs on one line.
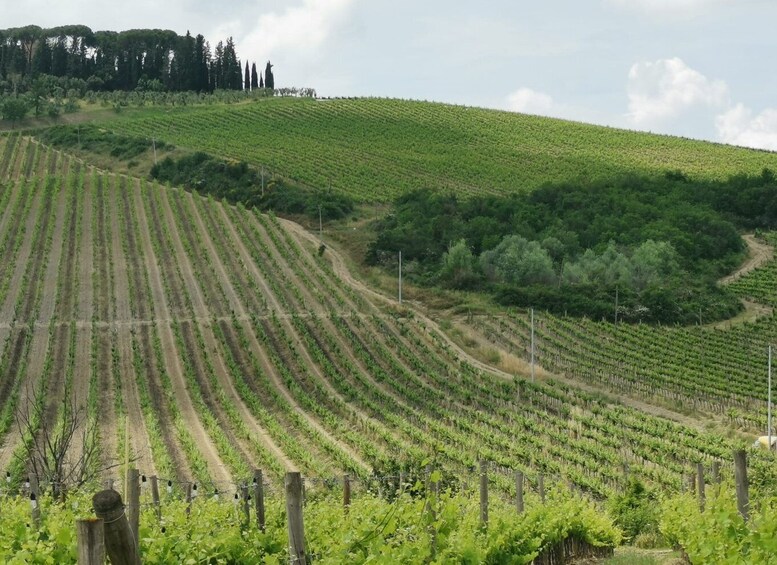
[[458, 265], [14, 108], [247, 79], [269, 79], [254, 77]]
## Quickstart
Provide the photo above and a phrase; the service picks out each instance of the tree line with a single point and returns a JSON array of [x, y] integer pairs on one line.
[[654, 246], [139, 59]]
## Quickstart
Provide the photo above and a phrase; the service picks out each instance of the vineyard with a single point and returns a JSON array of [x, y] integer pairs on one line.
[[208, 340], [375, 149], [707, 369]]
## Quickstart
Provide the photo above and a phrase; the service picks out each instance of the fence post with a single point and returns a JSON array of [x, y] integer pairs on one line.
[[701, 485], [91, 541], [188, 490], [259, 498], [119, 541], [246, 503], [346, 492], [716, 472], [541, 487], [155, 496], [740, 476], [519, 491], [294, 518], [133, 502], [483, 493]]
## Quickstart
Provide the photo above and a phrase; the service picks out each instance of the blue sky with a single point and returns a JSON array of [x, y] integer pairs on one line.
[[699, 68]]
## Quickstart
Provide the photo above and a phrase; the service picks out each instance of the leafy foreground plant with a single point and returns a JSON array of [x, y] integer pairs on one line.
[[719, 534], [409, 529]]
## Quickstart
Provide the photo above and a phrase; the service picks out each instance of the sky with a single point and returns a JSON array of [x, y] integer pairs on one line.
[[704, 69]]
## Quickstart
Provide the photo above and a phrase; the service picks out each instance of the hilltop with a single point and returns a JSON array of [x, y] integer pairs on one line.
[[376, 149]]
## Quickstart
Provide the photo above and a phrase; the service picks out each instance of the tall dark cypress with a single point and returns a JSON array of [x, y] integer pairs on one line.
[[254, 77], [269, 79], [261, 81], [247, 79]]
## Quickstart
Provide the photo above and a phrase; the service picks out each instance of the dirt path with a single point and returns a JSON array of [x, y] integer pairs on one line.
[[257, 349], [339, 266], [83, 307], [216, 468], [7, 311], [140, 444], [759, 253], [222, 373]]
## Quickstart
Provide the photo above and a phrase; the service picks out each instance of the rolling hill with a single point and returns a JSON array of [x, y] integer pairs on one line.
[[376, 149]]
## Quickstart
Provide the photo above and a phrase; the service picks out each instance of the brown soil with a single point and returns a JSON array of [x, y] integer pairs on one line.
[[139, 440], [759, 253]]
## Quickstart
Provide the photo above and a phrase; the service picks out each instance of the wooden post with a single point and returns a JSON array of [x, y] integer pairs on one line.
[[346, 492], [541, 487], [91, 541], [296, 526], [700, 485], [716, 472], [519, 491], [188, 490], [246, 504], [155, 496], [259, 499], [740, 476], [133, 503], [483, 493], [119, 541], [35, 509]]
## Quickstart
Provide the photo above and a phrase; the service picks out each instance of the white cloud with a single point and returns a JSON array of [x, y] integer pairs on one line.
[[529, 101], [665, 7], [738, 126], [301, 29], [667, 88]]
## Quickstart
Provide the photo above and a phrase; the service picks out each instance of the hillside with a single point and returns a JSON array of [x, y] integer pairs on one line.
[[225, 340], [376, 149]]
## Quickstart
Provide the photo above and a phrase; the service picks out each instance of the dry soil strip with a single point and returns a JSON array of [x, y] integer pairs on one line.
[[216, 467], [139, 441], [221, 371]]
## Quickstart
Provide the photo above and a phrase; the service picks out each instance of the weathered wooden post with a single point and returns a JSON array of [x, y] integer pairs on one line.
[[541, 487], [483, 493], [246, 503], [346, 492], [155, 496], [296, 525], [716, 472], [35, 509], [259, 499], [133, 502], [519, 491], [700, 485], [740, 477], [119, 541], [91, 541], [188, 491]]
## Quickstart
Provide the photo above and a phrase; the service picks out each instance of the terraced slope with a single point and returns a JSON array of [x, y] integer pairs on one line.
[[707, 368], [223, 341], [376, 149]]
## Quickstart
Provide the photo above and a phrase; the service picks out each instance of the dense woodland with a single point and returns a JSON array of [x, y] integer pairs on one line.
[[639, 248], [76, 58]]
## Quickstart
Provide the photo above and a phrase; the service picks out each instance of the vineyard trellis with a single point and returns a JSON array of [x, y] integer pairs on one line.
[[221, 341]]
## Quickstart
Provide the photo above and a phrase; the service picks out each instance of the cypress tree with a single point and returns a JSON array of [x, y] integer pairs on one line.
[[247, 79], [261, 81], [269, 79], [254, 78]]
